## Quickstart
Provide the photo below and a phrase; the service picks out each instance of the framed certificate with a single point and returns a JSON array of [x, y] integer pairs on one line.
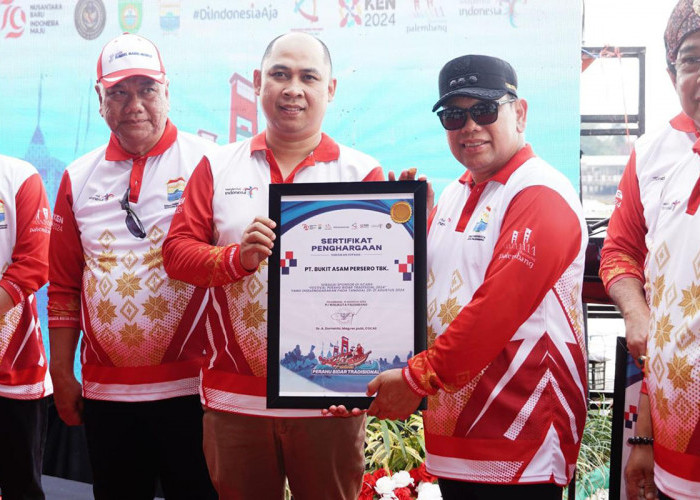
[[347, 282]]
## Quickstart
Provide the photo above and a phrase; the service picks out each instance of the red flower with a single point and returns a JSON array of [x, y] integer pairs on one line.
[[368, 483], [421, 474], [379, 473], [414, 474], [403, 493]]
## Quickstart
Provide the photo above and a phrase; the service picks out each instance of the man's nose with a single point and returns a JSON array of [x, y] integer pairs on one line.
[[293, 88], [134, 103], [470, 125]]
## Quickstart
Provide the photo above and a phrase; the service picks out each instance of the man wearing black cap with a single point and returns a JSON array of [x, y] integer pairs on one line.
[[653, 245], [505, 368]]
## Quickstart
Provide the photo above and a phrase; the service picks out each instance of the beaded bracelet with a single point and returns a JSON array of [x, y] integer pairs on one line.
[[640, 440]]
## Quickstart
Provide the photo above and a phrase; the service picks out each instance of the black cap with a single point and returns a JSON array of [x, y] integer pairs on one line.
[[481, 77]]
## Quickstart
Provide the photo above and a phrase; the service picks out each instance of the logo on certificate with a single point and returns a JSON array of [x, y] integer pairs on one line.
[[287, 262], [406, 268], [401, 212]]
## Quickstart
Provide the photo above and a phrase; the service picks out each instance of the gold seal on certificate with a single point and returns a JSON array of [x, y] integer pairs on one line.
[[401, 212]]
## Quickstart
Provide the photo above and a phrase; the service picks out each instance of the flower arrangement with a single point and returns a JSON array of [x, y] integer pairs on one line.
[[403, 485], [398, 446]]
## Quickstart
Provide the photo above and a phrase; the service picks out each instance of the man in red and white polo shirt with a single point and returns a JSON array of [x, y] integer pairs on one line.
[[143, 332], [221, 237], [25, 223], [505, 368], [637, 200], [669, 314]]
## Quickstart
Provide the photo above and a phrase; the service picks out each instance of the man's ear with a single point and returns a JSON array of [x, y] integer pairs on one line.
[[167, 93], [257, 81], [99, 96], [331, 89], [521, 114]]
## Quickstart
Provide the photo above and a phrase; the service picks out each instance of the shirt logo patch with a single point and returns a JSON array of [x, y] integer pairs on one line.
[[42, 222], [248, 191], [443, 221], [670, 205], [483, 221], [175, 187], [480, 226], [618, 199], [521, 248], [57, 223], [3, 224], [102, 197]]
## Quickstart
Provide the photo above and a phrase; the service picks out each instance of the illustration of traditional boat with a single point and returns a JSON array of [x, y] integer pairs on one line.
[[345, 357]]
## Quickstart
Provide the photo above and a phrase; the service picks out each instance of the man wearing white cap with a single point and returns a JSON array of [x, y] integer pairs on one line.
[[141, 349]]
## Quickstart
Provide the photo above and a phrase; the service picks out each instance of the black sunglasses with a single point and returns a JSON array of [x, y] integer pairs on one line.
[[133, 223], [483, 113]]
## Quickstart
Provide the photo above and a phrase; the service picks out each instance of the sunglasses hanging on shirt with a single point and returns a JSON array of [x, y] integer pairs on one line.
[[133, 223]]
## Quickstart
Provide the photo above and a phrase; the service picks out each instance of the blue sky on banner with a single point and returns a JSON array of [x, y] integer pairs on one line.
[[387, 54], [386, 57]]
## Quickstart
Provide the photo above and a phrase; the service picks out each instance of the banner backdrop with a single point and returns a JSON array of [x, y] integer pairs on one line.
[[386, 56]]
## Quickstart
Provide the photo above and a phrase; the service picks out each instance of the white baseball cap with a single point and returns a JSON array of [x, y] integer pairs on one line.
[[129, 55]]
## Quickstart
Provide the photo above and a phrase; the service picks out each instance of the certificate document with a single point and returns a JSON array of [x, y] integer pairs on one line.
[[348, 294]]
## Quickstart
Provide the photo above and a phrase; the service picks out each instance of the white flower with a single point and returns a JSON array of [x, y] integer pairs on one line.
[[428, 491], [385, 486], [402, 479]]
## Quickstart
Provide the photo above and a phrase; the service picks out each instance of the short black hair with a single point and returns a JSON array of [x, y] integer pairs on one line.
[[326, 52]]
